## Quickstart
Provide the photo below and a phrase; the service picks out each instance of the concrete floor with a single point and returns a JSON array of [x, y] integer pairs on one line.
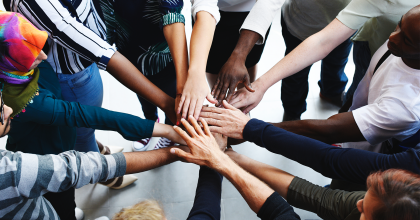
[[174, 185]]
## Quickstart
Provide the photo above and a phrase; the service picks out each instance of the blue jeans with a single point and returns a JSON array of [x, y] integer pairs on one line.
[[166, 81], [294, 89], [361, 58], [86, 88]]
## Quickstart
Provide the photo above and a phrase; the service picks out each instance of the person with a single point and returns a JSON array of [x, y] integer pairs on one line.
[[43, 123], [161, 54], [375, 14], [77, 49], [390, 194], [386, 192]]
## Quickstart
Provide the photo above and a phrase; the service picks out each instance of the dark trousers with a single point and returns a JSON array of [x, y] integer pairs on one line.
[[207, 196], [166, 81], [294, 89], [361, 58], [63, 203]]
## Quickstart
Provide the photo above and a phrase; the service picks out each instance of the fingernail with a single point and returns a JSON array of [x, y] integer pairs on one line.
[[177, 123], [182, 119], [173, 150]]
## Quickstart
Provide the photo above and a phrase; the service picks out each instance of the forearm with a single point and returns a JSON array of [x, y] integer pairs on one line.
[[276, 179], [175, 36], [201, 40], [311, 50], [126, 73], [338, 128], [142, 161], [246, 42], [252, 189]]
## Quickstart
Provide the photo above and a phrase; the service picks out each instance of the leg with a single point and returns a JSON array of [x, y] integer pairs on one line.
[[361, 58], [333, 79], [294, 89], [86, 88], [63, 203]]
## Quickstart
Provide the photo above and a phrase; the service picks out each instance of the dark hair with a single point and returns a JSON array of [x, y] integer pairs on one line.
[[399, 191]]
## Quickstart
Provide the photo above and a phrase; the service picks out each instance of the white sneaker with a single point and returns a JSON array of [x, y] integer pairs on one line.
[[141, 145], [79, 214], [164, 142], [102, 218]]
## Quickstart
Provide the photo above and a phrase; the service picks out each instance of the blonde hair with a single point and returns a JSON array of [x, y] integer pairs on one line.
[[145, 210]]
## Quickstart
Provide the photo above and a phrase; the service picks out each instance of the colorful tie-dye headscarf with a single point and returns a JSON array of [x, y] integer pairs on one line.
[[20, 44]]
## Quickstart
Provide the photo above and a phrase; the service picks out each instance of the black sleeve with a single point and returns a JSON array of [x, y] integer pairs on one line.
[[276, 208]]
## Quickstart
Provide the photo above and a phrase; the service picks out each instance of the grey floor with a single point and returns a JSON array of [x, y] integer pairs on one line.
[[174, 185]]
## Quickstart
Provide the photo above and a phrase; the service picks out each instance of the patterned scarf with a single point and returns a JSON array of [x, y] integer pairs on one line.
[[20, 44]]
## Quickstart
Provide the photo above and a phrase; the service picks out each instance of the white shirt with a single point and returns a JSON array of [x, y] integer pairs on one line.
[[387, 105], [213, 7]]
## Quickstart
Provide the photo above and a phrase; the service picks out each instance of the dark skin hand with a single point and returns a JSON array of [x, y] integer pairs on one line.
[[127, 74], [234, 71]]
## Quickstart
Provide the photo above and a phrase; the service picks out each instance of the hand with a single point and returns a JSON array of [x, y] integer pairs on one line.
[[204, 149], [221, 140], [177, 101], [247, 100], [169, 110], [193, 95], [232, 73], [174, 136], [230, 121]]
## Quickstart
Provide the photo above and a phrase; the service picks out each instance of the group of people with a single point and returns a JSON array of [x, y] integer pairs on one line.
[[51, 96]]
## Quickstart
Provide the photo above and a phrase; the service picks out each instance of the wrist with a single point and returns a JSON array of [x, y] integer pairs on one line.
[[220, 162], [238, 55]]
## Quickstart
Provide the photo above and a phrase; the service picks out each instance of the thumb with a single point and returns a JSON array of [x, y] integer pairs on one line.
[[228, 106], [210, 98], [248, 85], [180, 153]]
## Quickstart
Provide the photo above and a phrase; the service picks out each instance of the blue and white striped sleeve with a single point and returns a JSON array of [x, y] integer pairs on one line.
[[31, 176], [54, 18]]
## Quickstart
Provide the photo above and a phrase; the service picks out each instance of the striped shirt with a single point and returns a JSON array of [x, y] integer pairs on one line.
[[76, 31], [24, 178]]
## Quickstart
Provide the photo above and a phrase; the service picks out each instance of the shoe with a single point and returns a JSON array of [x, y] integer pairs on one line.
[[107, 150], [102, 218], [120, 182], [287, 117], [141, 145], [164, 142], [336, 100], [80, 215]]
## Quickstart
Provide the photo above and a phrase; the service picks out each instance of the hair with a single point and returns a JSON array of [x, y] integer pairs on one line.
[[145, 210], [399, 192]]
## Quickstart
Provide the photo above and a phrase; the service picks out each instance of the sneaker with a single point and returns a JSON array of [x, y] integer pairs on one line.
[[79, 214], [141, 145], [164, 142]]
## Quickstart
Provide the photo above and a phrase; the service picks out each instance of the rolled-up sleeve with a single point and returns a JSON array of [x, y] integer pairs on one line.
[[66, 30], [209, 6], [171, 12]]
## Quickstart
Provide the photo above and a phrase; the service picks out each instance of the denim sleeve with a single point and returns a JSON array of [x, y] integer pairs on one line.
[[208, 195], [353, 165], [47, 110]]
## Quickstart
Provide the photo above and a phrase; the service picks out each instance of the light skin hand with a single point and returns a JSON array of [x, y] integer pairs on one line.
[[167, 131], [196, 88], [246, 100], [229, 121]]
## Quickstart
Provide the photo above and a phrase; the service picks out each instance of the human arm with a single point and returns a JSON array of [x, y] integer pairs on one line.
[[205, 151], [207, 196], [314, 48], [196, 88], [326, 203]]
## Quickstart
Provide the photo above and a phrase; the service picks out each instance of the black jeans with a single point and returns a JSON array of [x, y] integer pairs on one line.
[[294, 89], [166, 81], [63, 203]]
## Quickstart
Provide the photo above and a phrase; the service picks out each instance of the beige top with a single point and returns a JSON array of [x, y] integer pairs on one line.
[[375, 19]]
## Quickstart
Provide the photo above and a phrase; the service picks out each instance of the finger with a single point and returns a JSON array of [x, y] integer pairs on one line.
[[216, 129], [189, 128], [231, 91], [182, 133], [213, 109], [222, 93], [211, 115], [181, 102], [211, 99], [212, 121], [248, 85], [185, 108], [192, 108], [219, 88], [216, 85], [228, 106], [182, 154], [240, 104], [205, 126], [198, 107], [196, 126]]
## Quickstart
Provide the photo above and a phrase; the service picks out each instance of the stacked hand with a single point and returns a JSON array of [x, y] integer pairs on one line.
[[232, 73], [247, 100], [204, 149]]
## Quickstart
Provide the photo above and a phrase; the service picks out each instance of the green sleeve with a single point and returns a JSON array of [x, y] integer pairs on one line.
[[47, 110], [326, 203]]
